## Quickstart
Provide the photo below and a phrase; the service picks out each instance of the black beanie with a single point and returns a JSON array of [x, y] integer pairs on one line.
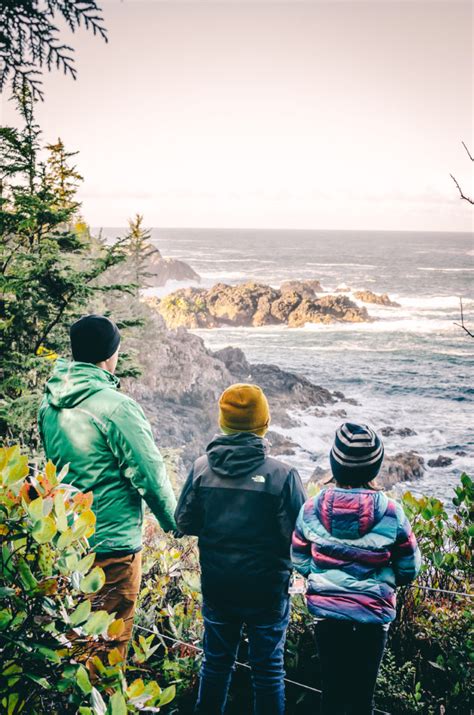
[[94, 338], [356, 455]]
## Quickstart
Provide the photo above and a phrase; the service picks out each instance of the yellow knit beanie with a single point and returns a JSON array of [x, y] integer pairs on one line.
[[244, 408]]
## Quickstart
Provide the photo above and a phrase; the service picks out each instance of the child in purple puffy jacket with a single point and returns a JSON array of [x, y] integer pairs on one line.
[[355, 546]]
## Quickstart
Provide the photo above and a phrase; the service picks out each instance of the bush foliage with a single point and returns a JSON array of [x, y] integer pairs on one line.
[[52, 637]]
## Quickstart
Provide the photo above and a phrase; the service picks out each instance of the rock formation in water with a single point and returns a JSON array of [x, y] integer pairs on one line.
[[366, 296], [441, 461], [401, 467], [253, 304], [160, 270]]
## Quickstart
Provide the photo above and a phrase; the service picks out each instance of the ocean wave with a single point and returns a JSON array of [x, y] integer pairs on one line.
[[402, 325], [446, 270], [433, 302], [336, 265]]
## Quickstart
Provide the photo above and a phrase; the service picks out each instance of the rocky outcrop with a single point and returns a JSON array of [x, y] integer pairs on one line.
[[402, 467], [400, 432], [366, 296], [281, 446], [328, 309], [441, 461], [308, 288], [255, 304], [160, 270]]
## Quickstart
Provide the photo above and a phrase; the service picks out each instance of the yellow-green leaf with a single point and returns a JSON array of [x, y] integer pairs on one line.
[[35, 509], [116, 628], [97, 623], [65, 540], [117, 704], [50, 472], [82, 680], [94, 581], [166, 696], [115, 657], [85, 564], [136, 688], [44, 530], [81, 614], [84, 525], [60, 511]]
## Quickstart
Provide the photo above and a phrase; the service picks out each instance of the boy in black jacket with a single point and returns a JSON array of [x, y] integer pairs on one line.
[[243, 505]]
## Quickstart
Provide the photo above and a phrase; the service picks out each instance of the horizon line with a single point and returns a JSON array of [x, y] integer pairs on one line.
[[286, 228]]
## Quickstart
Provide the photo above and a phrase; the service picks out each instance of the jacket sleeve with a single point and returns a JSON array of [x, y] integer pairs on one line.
[[293, 497], [301, 547], [131, 440], [406, 557], [187, 515]]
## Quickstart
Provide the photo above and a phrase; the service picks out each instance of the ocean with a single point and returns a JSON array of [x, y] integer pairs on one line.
[[411, 367]]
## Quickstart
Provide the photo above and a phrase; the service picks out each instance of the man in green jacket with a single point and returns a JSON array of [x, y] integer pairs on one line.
[[104, 436]]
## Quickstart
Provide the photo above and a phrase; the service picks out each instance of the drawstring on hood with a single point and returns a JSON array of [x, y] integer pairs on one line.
[[73, 382], [236, 455]]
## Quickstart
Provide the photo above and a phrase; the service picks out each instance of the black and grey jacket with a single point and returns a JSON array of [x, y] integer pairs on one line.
[[243, 505]]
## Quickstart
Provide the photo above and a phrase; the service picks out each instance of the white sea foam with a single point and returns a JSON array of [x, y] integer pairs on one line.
[[170, 287], [336, 265], [436, 302], [403, 325], [446, 270]]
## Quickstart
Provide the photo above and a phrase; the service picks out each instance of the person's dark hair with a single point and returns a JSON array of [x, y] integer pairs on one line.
[[372, 485]]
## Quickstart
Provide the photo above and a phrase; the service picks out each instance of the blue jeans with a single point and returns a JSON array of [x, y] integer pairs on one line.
[[266, 630]]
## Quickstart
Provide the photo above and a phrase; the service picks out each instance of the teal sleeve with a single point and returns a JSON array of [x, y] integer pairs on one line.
[[301, 547], [406, 557], [131, 440]]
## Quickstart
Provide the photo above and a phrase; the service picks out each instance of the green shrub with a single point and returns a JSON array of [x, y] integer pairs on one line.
[[49, 633], [170, 601]]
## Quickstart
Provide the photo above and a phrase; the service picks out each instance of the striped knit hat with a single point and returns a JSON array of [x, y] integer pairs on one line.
[[356, 455]]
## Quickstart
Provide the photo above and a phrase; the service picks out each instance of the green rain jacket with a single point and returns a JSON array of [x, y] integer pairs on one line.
[[105, 438]]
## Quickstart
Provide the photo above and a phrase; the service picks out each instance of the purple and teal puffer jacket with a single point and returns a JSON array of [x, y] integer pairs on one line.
[[355, 546]]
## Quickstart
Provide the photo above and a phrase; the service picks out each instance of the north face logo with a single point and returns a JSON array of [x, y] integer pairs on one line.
[[259, 478]]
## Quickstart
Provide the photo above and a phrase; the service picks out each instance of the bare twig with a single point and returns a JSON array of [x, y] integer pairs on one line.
[[468, 152], [461, 324], [462, 195]]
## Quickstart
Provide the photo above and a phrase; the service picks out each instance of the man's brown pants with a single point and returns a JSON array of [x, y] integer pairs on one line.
[[120, 593]]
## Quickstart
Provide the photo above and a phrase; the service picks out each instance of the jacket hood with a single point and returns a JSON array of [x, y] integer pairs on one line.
[[236, 455], [350, 513], [73, 382]]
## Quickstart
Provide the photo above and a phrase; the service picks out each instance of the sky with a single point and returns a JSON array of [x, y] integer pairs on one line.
[[334, 115]]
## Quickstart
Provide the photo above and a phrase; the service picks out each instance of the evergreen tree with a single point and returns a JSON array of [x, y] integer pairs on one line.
[[139, 250], [62, 179], [29, 38], [49, 270]]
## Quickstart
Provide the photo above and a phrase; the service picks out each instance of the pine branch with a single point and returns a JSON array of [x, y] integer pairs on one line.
[[29, 38]]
